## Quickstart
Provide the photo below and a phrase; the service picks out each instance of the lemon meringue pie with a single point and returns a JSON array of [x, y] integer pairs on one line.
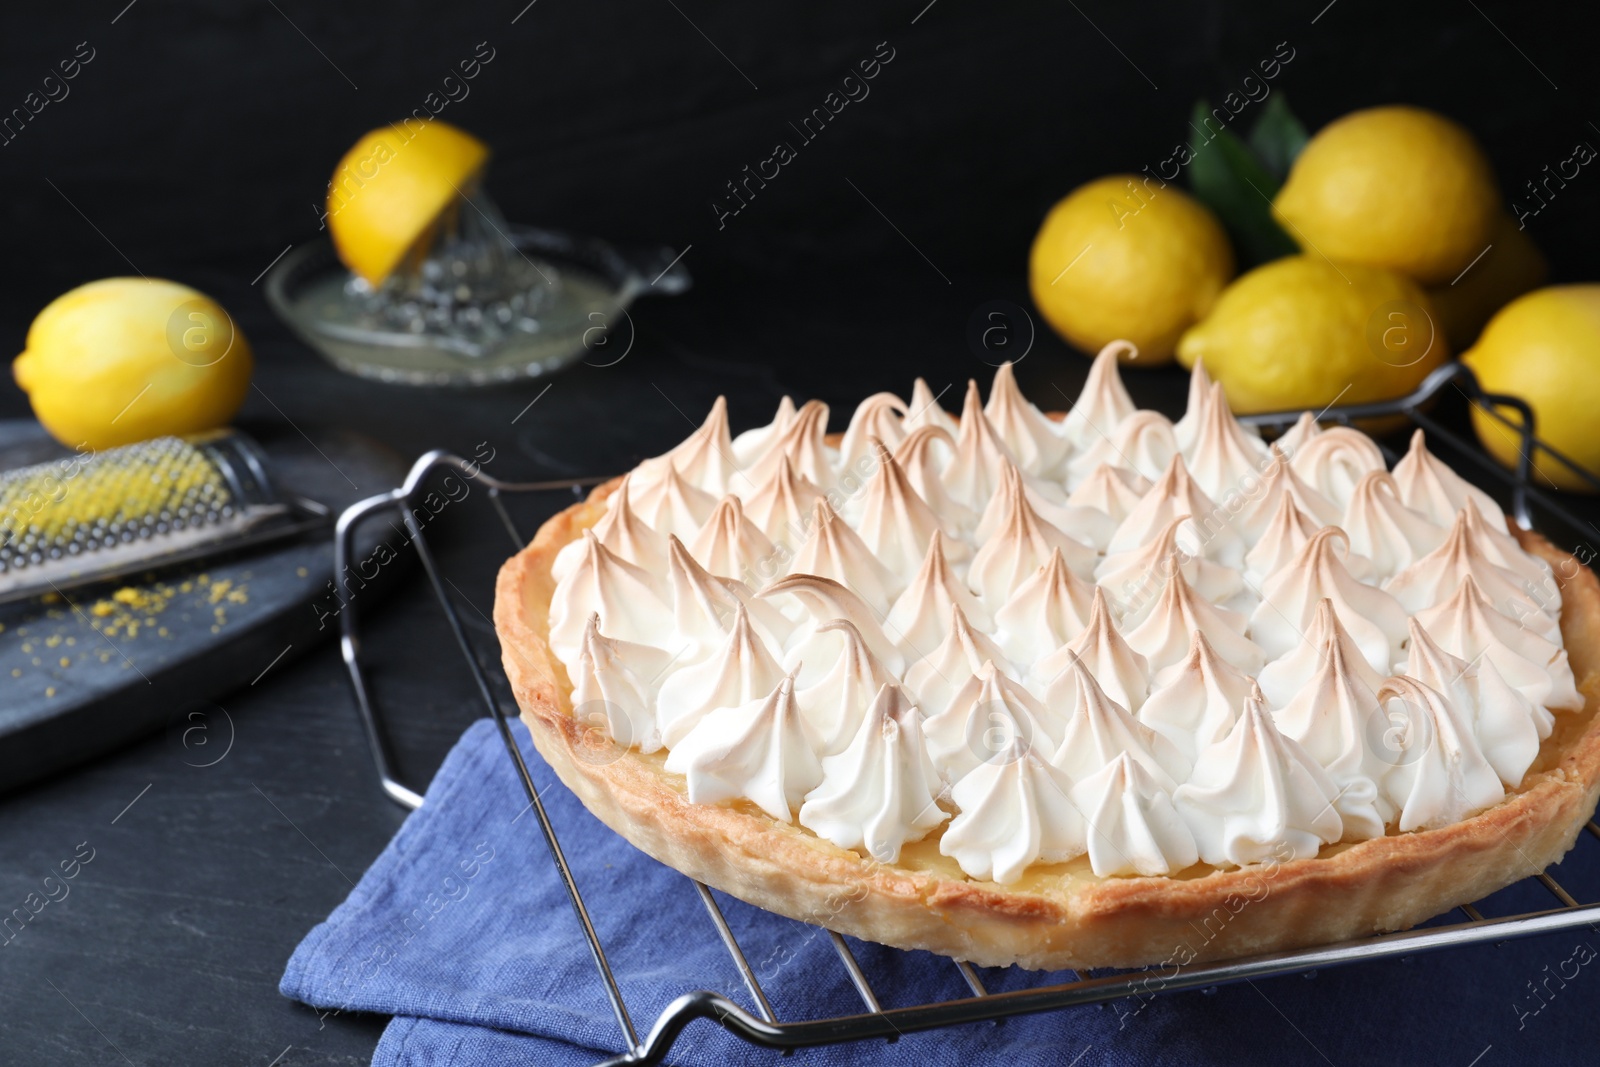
[[1092, 689]]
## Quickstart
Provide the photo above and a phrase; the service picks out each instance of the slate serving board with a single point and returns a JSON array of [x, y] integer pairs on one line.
[[113, 662]]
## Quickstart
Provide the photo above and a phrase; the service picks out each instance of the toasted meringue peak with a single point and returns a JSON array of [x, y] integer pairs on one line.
[[1121, 672], [1186, 429], [1279, 480], [1290, 598], [988, 715], [835, 703], [896, 524], [781, 507], [924, 410], [1299, 435], [1198, 701], [1333, 716], [921, 616], [1111, 490], [823, 600], [1224, 459], [1507, 725], [1134, 578], [671, 506], [1468, 626], [1163, 637], [1135, 828], [1176, 496], [1335, 461], [1384, 530], [622, 531], [1019, 547], [1258, 795], [1287, 675], [923, 455], [627, 599], [833, 550], [802, 442], [1016, 810], [752, 444], [981, 456], [703, 607], [730, 545], [882, 790], [1091, 526], [614, 686], [1502, 549], [937, 677], [760, 751], [1032, 438], [1098, 729], [1429, 485], [880, 415], [1143, 443], [705, 458], [1051, 607], [1104, 402], [1439, 774], [1285, 535], [741, 671], [1435, 578]]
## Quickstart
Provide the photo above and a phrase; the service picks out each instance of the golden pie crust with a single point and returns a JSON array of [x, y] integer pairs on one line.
[[1057, 916]]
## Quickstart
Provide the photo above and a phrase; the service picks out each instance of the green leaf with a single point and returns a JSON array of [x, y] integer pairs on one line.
[[1227, 177], [1277, 137]]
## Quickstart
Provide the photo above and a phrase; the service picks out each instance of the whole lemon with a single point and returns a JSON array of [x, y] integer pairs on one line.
[[1302, 332], [1545, 348], [1129, 258], [390, 189], [1395, 187], [1512, 266], [127, 359]]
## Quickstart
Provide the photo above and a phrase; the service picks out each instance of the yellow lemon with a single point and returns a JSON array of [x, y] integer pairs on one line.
[[1395, 187], [127, 359], [1512, 266], [391, 188], [1302, 332], [1545, 348], [1128, 258]]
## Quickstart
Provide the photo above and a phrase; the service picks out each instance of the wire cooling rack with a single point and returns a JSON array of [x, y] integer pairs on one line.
[[1530, 505]]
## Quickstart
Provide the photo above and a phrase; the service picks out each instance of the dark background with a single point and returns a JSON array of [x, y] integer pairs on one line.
[[196, 146]]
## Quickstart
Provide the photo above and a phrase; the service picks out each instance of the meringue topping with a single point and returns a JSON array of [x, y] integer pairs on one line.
[[833, 550], [1186, 429], [1163, 638], [671, 506], [1439, 774], [924, 410], [1134, 578], [1133, 827], [1286, 533], [781, 507], [1032, 438], [1016, 810], [919, 456], [1335, 461], [1104, 402], [1198, 701], [881, 791], [1289, 599], [1098, 729], [614, 683], [824, 600], [1257, 795], [1435, 578], [1384, 530], [622, 531], [627, 599], [896, 525], [703, 607], [880, 416], [1176, 496], [1429, 485], [1022, 545], [1290, 673], [836, 702], [802, 442], [1223, 458], [1121, 672], [705, 459], [1090, 525], [1047, 610], [760, 751], [742, 670], [921, 616], [936, 678], [752, 444], [1297, 436], [990, 716], [1114, 491], [981, 456], [1468, 626], [1143, 442], [730, 545], [1279, 480]]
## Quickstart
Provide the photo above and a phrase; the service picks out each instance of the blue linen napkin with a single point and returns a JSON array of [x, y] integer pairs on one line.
[[461, 930]]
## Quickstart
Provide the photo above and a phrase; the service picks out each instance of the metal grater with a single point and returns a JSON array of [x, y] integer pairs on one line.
[[104, 515]]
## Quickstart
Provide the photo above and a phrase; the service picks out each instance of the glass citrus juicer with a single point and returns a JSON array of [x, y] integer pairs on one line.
[[470, 299]]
